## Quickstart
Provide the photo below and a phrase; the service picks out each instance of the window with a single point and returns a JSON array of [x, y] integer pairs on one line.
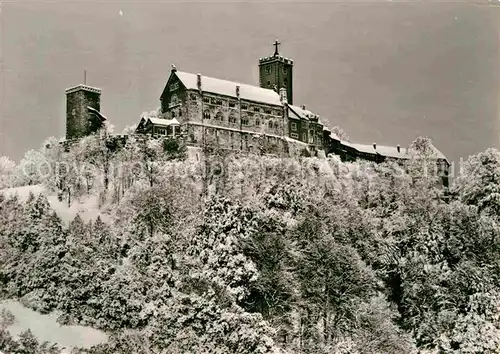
[[206, 115], [206, 99], [244, 106], [173, 114], [285, 82], [193, 96], [162, 131], [271, 124], [268, 111], [217, 101], [256, 109], [219, 116], [294, 135], [268, 83], [284, 69], [257, 122], [174, 100], [232, 119], [245, 121], [174, 86], [294, 126], [268, 69], [304, 137], [232, 104]]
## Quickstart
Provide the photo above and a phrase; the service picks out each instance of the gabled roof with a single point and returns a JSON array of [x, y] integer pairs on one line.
[[228, 88], [163, 122]]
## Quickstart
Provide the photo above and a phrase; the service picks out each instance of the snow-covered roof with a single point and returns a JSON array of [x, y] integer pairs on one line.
[[439, 154], [296, 111], [84, 88], [164, 122], [228, 88], [363, 148], [93, 110]]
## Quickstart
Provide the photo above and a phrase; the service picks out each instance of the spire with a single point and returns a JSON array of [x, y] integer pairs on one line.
[[276, 47], [85, 76]]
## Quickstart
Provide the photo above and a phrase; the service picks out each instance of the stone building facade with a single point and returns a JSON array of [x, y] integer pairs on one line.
[[233, 115], [83, 117]]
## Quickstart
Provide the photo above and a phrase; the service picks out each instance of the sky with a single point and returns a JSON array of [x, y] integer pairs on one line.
[[384, 71]]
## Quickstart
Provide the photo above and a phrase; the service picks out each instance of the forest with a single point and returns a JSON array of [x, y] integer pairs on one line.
[[225, 252]]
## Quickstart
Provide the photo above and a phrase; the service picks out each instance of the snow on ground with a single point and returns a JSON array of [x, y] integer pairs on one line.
[[87, 207], [45, 328]]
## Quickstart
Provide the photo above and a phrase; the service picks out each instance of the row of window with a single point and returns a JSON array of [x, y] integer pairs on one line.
[[165, 131], [232, 119], [269, 69], [174, 86], [232, 104]]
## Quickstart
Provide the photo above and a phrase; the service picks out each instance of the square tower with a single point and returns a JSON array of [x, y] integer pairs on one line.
[[275, 72], [82, 103]]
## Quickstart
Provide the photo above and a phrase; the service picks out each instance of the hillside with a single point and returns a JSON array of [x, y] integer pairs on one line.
[[230, 253]]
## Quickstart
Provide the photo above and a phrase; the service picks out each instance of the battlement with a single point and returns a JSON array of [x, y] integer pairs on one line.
[[271, 59], [82, 87]]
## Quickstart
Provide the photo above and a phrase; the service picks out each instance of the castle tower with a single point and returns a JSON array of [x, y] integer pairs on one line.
[[275, 72], [83, 104]]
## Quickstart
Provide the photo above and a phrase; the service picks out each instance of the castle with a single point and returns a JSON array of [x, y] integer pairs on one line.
[[207, 111]]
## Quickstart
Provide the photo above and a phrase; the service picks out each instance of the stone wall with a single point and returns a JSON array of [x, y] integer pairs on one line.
[[78, 118]]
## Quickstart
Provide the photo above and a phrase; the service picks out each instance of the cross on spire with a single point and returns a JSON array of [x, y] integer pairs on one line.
[[276, 45]]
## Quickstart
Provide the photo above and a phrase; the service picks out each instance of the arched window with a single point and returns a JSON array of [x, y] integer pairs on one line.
[[257, 122], [219, 116], [174, 100], [206, 114], [245, 121], [271, 125], [232, 119]]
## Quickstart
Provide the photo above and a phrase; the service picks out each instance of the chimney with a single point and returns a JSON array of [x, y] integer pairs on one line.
[[283, 95], [375, 146], [238, 91], [198, 81], [303, 107], [399, 148], [174, 69]]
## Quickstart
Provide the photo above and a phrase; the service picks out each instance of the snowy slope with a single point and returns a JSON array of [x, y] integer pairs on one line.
[[45, 328], [86, 207]]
